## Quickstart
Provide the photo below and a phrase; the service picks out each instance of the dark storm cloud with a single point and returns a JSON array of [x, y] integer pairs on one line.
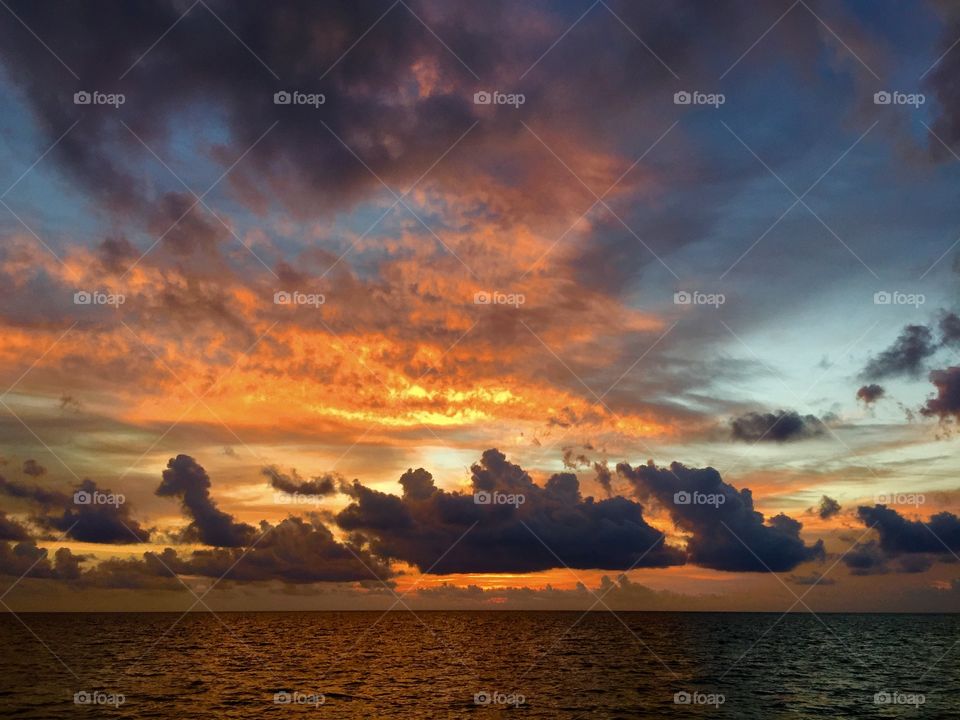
[[869, 394], [946, 403], [33, 468], [940, 534], [294, 484], [906, 356], [828, 508], [184, 478], [782, 426], [448, 532], [90, 514], [726, 534]]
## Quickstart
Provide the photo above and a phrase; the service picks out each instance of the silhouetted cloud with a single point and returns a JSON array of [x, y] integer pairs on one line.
[[294, 484], [187, 480], [906, 356], [828, 508], [90, 514], [950, 329], [604, 477], [939, 534], [869, 394], [946, 403], [10, 529], [726, 532], [782, 426], [26, 559], [33, 468], [548, 527]]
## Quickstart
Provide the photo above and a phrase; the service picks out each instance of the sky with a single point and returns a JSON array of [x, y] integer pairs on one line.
[[539, 305]]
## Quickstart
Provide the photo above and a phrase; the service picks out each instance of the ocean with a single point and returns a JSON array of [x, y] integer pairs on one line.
[[479, 664]]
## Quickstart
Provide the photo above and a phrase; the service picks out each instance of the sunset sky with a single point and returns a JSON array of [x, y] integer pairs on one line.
[[493, 292]]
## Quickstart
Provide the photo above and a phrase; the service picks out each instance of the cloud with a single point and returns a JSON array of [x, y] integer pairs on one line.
[[828, 508], [294, 551], [906, 356], [33, 468], [104, 519], [939, 534], [184, 478], [866, 559], [294, 484], [869, 394], [782, 426], [604, 477], [552, 526], [25, 558], [950, 329], [725, 534], [946, 403], [11, 529]]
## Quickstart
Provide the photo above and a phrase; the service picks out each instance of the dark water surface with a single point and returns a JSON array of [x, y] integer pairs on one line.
[[367, 665]]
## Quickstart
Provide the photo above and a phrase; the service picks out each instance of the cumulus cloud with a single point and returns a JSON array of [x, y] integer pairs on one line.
[[828, 508], [448, 532], [105, 518], [940, 534], [946, 403], [22, 558], [294, 484], [869, 394], [782, 426], [725, 534], [185, 479]]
